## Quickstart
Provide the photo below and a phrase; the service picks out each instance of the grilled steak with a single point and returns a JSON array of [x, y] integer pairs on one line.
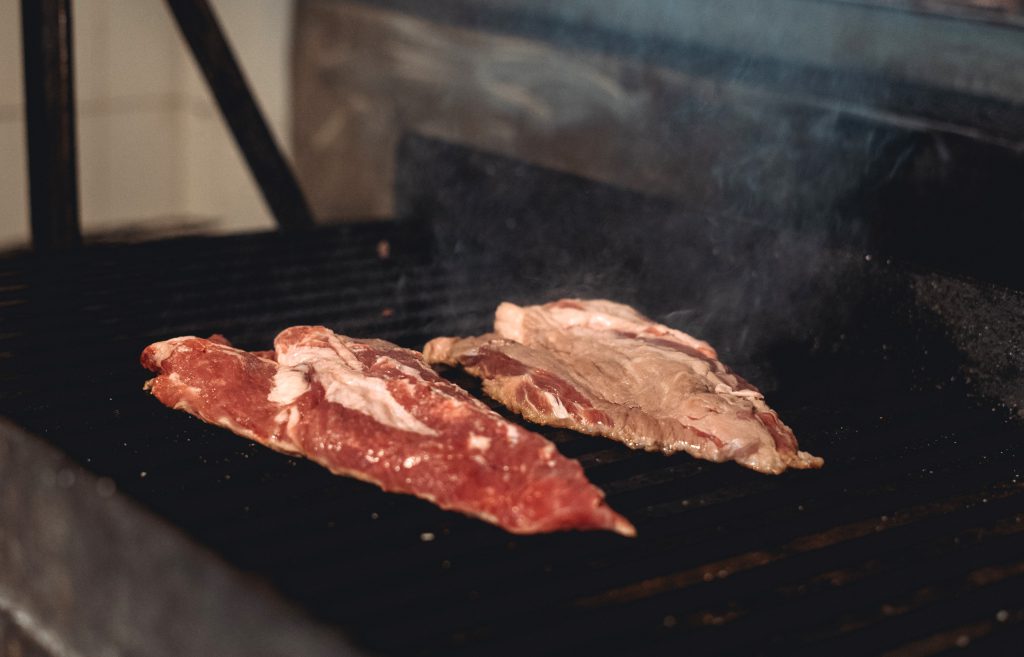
[[374, 411], [602, 368]]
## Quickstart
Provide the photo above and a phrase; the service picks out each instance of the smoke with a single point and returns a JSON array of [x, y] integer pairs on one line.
[[723, 204], [760, 266]]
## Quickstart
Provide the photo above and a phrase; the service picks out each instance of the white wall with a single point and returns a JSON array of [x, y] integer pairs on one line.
[[152, 145], [13, 181]]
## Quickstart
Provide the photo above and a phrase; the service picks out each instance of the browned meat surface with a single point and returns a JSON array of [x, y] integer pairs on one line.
[[602, 368], [371, 410]]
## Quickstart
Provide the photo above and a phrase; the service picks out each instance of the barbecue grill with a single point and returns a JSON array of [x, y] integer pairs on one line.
[[129, 528]]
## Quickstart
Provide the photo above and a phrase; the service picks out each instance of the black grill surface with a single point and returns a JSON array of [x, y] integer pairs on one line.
[[908, 542]]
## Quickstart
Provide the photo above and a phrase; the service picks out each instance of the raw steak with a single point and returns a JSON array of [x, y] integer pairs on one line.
[[374, 411], [604, 369]]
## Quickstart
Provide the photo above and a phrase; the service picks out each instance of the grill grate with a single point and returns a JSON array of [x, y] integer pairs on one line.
[[908, 540]]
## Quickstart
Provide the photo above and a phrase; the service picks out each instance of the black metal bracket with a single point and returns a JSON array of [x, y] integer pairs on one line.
[[50, 119], [274, 176]]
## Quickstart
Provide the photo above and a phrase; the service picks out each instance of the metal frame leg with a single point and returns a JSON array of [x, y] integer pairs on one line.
[[50, 123]]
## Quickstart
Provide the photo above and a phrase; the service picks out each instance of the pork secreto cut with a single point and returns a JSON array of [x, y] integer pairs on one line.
[[374, 411], [604, 369]]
